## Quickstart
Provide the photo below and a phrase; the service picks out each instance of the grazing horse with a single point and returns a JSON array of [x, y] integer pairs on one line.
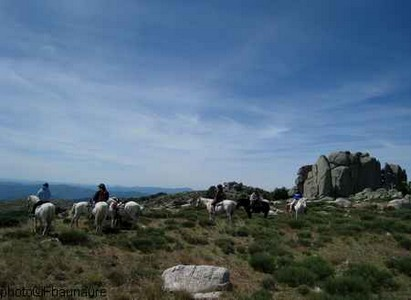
[[130, 210], [45, 213], [225, 206], [80, 209], [300, 207], [100, 211], [262, 207]]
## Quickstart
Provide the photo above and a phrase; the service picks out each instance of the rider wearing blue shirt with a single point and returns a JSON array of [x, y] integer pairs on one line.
[[44, 196]]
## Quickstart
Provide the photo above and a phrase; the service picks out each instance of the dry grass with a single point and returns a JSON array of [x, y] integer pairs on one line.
[[130, 271]]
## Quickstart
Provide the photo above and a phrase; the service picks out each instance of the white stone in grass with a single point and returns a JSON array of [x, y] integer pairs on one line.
[[196, 279]]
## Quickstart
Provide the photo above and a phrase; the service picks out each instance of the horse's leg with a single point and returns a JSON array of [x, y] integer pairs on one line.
[[229, 216], [248, 210], [113, 221], [34, 224], [46, 228]]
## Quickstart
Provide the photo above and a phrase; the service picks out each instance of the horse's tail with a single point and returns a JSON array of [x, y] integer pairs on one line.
[[50, 214], [101, 213]]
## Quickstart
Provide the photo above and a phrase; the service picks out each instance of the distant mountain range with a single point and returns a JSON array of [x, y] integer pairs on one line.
[[10, 190]]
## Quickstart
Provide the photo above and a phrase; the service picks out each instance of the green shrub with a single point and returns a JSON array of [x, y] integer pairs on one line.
[[18, 234], [304, 242], [188, 224], [377, 278], [349, 229], [117, 278], [143, 272], [304, 235], [262, 262], [402, 264], [241, 232], [295, 276], [12, 218], [347, 286], [149, 239], [262, 294], [403, 241], [296, 224], [268, 283], [303, 289], [92, 281], [321, 268], [194, 239], [74, 237], [226, 245]]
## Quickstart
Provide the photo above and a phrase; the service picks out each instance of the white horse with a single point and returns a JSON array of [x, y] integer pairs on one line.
[[130, 210], [300, 207], [45, 213], [225, 206], [100, 211], [79, 209]]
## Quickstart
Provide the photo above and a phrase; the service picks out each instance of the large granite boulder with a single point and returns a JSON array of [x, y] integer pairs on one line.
[[196, 279], [343, 173], [341, 181], [302, 175], [323, 176], [310, 186], [393, 175]]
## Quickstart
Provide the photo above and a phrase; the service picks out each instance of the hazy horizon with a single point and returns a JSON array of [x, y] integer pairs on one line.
[[191, 94]]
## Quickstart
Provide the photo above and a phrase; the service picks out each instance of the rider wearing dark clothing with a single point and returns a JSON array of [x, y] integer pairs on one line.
[[102, 194], [219, 196]]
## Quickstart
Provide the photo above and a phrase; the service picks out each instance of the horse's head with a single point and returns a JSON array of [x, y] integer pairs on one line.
[[31, 200]]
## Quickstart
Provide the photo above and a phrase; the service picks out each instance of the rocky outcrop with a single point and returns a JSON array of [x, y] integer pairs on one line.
[[196, 279], [379, 194], [342, 202], [302, 175], [392, 176], [343, 173]]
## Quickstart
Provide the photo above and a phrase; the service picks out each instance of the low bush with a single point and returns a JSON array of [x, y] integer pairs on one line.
[[403, 241], [74, 237], [17, 234], [226, 245], [269, 283], [348, 286], [262, 294], [194, 239], [295, 276], [296, 224], [402, 264], [262, 262], [377, 278], [188, 224], [321, 268], [149, 240]]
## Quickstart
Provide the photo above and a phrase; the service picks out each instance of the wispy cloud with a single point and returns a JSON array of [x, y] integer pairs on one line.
[[179, 97]]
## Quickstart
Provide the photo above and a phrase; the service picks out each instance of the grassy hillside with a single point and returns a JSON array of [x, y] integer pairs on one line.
[[331, 253]]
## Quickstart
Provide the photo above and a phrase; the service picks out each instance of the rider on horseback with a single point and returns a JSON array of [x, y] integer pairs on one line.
[[101, 195], [255, 199], [219, 196], [296, 198], [44, 196]]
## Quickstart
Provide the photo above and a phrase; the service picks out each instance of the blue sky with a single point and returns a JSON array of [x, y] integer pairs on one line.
[[193, 93]]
